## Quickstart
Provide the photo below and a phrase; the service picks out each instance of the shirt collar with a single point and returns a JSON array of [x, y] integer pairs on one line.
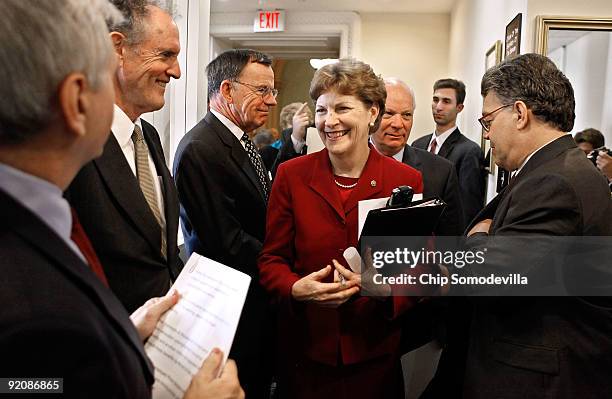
[[41, 197], [236, 131], [123, 127], [442, 137], [529, 157], [398, 157]]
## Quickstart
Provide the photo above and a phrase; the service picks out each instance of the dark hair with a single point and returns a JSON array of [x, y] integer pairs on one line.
[[134, 13], [454, 84], [591, 136], [229, 65], [535, 80], [351, 77]]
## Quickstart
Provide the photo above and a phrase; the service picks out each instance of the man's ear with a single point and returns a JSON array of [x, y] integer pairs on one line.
[[73, 102], [523, 114], [226, 91], [459, 108], [119, 43]]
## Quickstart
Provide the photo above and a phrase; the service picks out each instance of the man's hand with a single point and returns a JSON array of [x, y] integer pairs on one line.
[[145, 318], [300, 122], [206, 385], [604, 163], [311, 289], [481, 227]]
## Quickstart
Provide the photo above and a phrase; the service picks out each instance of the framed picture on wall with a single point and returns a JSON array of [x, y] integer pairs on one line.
[[493, 56]]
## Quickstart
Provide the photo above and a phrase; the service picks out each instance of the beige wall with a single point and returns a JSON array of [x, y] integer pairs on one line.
[[412, 47]]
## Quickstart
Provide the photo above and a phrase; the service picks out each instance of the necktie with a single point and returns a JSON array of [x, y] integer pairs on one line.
[[257, 163], [434, 145], [145, 179], [80, 239]]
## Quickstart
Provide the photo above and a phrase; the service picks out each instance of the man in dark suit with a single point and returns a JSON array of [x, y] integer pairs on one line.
[[448, 142], [223, 189], [126, 199], [439, 176], [557, 347], [61, 321]]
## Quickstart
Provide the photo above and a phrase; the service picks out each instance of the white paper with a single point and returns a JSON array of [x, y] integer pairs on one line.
[[353, 259], [206, 316], [365, 206], [313, 140]]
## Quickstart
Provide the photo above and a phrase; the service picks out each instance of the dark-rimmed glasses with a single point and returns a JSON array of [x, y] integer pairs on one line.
[[262, 91], [486, 124]]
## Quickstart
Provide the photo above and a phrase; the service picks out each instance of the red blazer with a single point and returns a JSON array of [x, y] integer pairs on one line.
[[307, 227]]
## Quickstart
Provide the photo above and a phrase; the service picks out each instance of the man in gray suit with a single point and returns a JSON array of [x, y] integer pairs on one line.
[[439, 176]]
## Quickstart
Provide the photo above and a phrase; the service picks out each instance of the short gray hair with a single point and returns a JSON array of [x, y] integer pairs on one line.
[[399, 82], [133, 24], [42, 43], [535, 80]]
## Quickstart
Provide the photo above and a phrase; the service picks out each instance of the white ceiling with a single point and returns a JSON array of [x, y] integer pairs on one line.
[[380, 6]]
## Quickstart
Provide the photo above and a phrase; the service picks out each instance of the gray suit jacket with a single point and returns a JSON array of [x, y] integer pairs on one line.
[[122, 227]]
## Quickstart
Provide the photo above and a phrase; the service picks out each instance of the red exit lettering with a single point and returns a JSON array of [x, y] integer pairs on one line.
[[269, 19]]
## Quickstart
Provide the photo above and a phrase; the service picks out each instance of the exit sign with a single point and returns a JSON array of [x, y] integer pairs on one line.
[[269, 21]]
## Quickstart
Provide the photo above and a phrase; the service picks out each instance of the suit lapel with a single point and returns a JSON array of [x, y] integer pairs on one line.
[[449, 143], [36, 232], [123, 186], [238, 153], [546, 153], [322, 182]]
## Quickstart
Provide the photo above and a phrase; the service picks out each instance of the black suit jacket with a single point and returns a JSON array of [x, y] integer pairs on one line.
[[467, 157], [439, 180], [553, 347], [223, 216], [59, 320], [122, 227]]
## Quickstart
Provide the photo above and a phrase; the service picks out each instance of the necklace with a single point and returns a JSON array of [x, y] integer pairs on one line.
[[346, 185]]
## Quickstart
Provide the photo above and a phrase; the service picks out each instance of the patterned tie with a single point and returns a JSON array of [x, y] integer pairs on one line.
[[78, 236], [145, 179], [257, 163], [434, 145]]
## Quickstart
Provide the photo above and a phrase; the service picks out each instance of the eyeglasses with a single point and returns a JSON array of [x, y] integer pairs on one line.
[[486, 124], [262, 91]]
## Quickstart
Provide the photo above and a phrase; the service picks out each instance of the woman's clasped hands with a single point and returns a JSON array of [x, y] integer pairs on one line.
[[311, 288]]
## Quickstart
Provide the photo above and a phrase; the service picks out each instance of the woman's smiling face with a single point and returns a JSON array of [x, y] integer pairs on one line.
[[343, 122]]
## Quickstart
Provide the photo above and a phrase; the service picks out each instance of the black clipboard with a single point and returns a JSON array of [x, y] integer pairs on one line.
[[415, 220]]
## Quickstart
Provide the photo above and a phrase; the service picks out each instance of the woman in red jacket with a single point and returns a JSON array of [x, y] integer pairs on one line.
[[335, 343]]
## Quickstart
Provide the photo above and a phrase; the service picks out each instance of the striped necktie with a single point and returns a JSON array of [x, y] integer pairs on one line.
[[145, 180]]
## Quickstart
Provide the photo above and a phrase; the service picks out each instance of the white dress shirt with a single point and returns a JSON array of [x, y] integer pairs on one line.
[[122, 129], [440, 139], [231, 126]]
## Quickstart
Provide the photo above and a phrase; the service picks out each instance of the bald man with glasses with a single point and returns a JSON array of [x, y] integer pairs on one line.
[[223, 189]]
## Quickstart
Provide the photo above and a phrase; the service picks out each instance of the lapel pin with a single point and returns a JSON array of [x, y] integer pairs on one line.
[[373, 183]]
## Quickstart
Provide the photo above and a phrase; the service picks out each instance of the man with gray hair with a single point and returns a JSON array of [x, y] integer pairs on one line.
[[126, 199], [63, 330], [223, 188], [439, 175], [540, 347]]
